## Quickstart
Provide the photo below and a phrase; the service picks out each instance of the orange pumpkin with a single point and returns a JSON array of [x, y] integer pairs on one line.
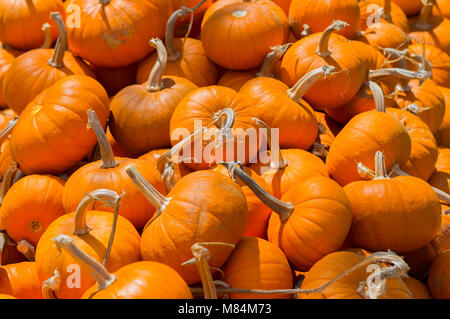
[[20, 280], [385, 35], [34, 71], [410, 7], [374, 11], [439, 277], [115, 79], [58, 116], [183, 22], [6, 59], [442, 8], [443, 135], [417, 288]]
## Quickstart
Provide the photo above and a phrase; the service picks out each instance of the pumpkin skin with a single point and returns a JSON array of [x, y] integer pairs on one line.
[[257, 264], [318, 225], [221, 216], [21, 22], [441, 8], [237, 34], [401, 214], [182, 25], [6, 59], [118, 150], [143, 280], [302, 57], [134, 206], [443, 135], [410, 7], [440, 276], [30, 205], [117, 34], [258, 213], [116, 79], [417, 288], [301, 165], [387, 35], [58, 115], [319, 14], [398, 17], [426, 95], [125, 249], [236, 79], [337, 263], [5, 158], [20, 280], [360, 139]]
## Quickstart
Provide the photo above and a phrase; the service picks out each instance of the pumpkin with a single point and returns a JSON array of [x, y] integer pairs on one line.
[[323, 49], [332, 268], [384, 35], [226, 116], [8, 250], [148, 129], [401, 214], [318, 14], [5, 158], [441, 8], [257, 264], [430, 29], [443, 135], [361, 138], [186, 58], [30, 205], [20, 280], [91, 230], [190, 20], [220, 216], [328, 129], [373, 12], [238, 34], [117, 149], [417, 288], [109, 173], [21, 21], [439, 277], [410, 7], [58, 116], [115, 79], [34, 71], [6, 59], [115, 33]]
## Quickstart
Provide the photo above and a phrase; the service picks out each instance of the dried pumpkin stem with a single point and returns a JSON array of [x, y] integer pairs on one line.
[[8, 180], [153, 196], [97, 270], [380, 166], [284, 210], [302, 86], [322, 49], [423, 23], [27, 249], [277, 161], [5, 133], [46, 28], [397, 72], [106, 151], [57, 60], [51, 285], [273, 56], [201, 255], [306, 31], [172, 53], [387, 11], [154, 82], [378, 96]]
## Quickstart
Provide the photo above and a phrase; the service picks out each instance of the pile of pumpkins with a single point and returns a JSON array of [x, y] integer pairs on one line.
[[344, 194]]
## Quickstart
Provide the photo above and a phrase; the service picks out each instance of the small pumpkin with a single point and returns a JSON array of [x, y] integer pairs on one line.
[[384, 35], [20, 280], [417, 288], [439, 277], [410, 7]]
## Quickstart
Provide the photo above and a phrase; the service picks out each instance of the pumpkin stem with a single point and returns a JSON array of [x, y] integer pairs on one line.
[[273, 56], [27, 249], [423, 23], [172, 53], [416, 109], [57, 60], [403, 75], [8, 179], [284, 210], [306, 31], [104, 2], [5, 133], [378, 96], [153, 196], [337, 25], [387, 11], [46, 28], [106, 151], [97, 270], [302, 86], [154, 82], [380, 166], [51, 285], [277, 161]]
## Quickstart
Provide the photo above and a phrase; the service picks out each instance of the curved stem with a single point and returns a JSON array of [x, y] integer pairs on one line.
[[322, 49], [277, 161], [423, 23], [284, 210], [397, 72], [201, 255], [8, 180], [51, 285], [226, 117], [172, 53], [106, 151], [380, 166], [154, 82], [156, 198], [57, 60], [302, 86], [378, 96], [46, 28], [270, 59], [97, 270]]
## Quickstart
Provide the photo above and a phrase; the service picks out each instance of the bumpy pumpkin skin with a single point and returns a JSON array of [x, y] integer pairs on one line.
[[212, 208], [360, 139], [417, 288], [401, 214], [143, 280], [319, 14], [30, 205], [116, 34], [257, 264], [20, 280], [21, 22], [133, 206], [439, 277], [318, 225], [125, 250], [237, 35], [59, 117], [335, 264]]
